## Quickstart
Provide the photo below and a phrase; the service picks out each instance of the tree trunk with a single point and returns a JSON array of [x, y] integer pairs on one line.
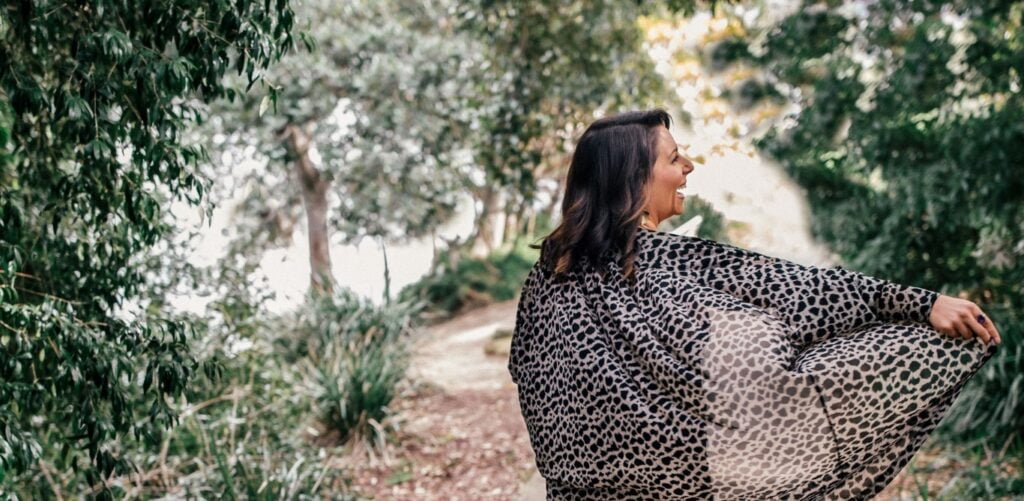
[[553, 210], [512, 213], [314, 199], [524, 221], [531, 223], [485, 224], [511, 223]]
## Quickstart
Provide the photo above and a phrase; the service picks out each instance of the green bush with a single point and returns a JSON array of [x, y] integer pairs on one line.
[[96, 103], [245, 438], [992, 403], [242, 434], [952, 474], [910, 174], [471, 282], [357, 357], [458, 285], [266, 422]]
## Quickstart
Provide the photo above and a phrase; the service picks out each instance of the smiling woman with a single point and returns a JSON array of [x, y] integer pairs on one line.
[[625, 171], [665, 196], [659, 366]]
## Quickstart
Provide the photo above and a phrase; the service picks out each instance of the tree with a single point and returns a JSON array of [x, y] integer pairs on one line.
[[369, 130], [407, 105], [94, 97]]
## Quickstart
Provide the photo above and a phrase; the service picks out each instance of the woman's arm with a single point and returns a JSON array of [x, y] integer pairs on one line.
[[820, 302]]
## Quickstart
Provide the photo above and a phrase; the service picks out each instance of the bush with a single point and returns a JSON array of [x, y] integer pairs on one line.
[[916, 180], [950, 474], [241, 435], [457, 285], [245, 438], [452, 288], [357, 357], [990, 410], [244, 431]]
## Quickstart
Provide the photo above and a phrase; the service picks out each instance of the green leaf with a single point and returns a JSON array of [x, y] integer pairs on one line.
[[264, 104]]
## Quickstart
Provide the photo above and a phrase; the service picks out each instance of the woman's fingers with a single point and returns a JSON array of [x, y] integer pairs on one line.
[[977, 329], [992, 325], [989, 325], [961, 327], [959, 318]]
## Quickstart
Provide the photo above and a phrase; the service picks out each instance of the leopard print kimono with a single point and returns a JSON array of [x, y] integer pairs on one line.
[[728, 374]]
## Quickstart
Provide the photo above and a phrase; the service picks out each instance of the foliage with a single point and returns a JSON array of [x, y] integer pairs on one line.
[[989, 408], [384, 91], [948, 474], [409, 105], [357, 356], [910, 142], [689, 7], [255, 431], [249, 433], [242, 437], [93, 99], [557, 64], [457, 285]]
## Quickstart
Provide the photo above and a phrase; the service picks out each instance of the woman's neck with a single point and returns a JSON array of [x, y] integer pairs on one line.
[[649, 222]]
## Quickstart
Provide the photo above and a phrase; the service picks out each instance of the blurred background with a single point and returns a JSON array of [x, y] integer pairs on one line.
[[272, 250]]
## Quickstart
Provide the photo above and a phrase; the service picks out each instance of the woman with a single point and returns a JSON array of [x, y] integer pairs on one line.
[[657, 366]]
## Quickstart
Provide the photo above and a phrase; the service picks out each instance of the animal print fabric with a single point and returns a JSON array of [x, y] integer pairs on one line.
[[728, 374]]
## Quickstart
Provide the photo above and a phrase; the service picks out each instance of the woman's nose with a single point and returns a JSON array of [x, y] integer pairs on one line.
[[688, 167]]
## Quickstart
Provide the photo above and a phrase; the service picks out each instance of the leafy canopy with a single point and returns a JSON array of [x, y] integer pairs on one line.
[[94, 97]]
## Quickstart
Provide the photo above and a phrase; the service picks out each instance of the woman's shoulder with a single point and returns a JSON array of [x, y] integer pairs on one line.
[[682, 255], [654, 250], [656, 244]]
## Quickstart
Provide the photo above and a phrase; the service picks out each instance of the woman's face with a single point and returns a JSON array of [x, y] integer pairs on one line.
[[664, 197]]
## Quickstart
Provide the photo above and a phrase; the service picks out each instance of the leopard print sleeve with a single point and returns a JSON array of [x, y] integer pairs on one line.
[[895, 301], [820, 302]]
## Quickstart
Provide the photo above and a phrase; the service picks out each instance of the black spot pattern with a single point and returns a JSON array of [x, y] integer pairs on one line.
[[728, 374]]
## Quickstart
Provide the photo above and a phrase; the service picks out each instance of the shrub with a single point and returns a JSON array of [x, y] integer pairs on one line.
[[357, 357], [916, 180], [452, 288], [950, 474], [990, 410]]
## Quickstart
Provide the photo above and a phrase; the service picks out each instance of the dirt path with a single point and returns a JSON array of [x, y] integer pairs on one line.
[[460, 432], [452, 355]]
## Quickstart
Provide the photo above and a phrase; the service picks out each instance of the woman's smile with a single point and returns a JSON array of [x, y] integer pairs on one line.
[[666, 194]]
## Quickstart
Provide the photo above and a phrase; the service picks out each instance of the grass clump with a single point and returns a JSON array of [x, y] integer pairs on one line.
[[357, 355]]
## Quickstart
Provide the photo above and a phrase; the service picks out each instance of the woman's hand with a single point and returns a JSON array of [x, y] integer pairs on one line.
[[959, 317]]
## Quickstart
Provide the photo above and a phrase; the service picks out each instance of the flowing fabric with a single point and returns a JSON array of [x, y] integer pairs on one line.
[[723, 373]]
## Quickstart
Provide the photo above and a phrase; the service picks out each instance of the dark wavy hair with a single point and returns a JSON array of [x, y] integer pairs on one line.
[[604, 193]]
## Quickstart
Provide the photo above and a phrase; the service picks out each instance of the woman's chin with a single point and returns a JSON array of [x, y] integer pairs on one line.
[[679, 207]]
